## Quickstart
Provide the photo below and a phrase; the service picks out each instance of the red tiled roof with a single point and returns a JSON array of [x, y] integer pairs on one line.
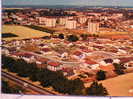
[[89, 79], [83, 47], [23, 54], [107, 68], [86, 50], [55, 64], [77, 53], [67, 42], [100, 47], [67, 69], [46, 49], [130, 29], [88, 61], [42, 59], [78, 42], [125, 59]]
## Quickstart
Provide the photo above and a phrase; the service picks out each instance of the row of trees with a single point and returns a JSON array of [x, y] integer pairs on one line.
[[6, 35], [6, 88], [44, 76], [19, 66], [43, 29], [74, 38], [53, 12], [49, 78]]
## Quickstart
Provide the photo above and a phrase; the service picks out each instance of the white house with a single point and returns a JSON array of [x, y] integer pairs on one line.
[[54, 66]]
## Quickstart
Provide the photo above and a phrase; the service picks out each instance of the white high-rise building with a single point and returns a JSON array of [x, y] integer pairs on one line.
[[93, 27], [50, 22], [63, 20], [82, 20], [71, 24], [41, 20]]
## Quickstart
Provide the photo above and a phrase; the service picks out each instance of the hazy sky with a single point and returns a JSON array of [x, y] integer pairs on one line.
[[69, 2]]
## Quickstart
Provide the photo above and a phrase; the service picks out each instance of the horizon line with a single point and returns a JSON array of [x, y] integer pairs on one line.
[[73, 5]]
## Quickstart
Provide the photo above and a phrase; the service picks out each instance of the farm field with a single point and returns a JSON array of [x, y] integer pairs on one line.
[[114, 34], [119, 86], [22, 32]]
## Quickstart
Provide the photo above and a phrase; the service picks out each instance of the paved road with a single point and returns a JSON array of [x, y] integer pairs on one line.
[[29, 85]]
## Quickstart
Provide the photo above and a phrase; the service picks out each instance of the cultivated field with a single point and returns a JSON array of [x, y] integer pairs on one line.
[[113, 33], [22, 32], [119, 86]]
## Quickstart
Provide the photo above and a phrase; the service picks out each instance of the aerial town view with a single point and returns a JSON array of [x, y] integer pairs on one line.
[[66, 49]]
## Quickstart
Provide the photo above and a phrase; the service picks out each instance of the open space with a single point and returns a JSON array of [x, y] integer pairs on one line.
[[119, 86], [22, 32]]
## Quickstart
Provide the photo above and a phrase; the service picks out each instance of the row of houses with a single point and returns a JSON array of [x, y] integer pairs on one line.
[[88, 55]]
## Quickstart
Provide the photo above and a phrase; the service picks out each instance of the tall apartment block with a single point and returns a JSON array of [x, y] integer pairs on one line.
[[93, 27]]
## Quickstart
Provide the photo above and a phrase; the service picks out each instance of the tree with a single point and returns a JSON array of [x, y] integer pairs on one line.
[[61, 85], [72, 38], [96, 89], [100, 75], [46, 77], [61, 36], [7, 62], [33, 73], [119, 68], [59, 82], [72, 87], [77, 87], [6, 88], [84, 36], [23, 68], [46, 37], [19, 66], [51, 31]]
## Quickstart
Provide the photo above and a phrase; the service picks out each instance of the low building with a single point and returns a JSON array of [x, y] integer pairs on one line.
[[91, 64], [25, 56], [42, 62], [54, 66]]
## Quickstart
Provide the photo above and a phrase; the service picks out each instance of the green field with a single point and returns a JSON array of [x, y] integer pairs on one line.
[[22, 32]]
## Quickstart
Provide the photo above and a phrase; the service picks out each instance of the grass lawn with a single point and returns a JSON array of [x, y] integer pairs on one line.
[[22, 32]]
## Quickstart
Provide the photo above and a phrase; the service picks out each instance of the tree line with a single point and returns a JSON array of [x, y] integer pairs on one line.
[[7, 88], [74, 38], [43, 29], [50, 78]]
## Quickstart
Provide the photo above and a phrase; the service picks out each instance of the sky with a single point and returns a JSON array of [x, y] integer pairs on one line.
[[69, 2]]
